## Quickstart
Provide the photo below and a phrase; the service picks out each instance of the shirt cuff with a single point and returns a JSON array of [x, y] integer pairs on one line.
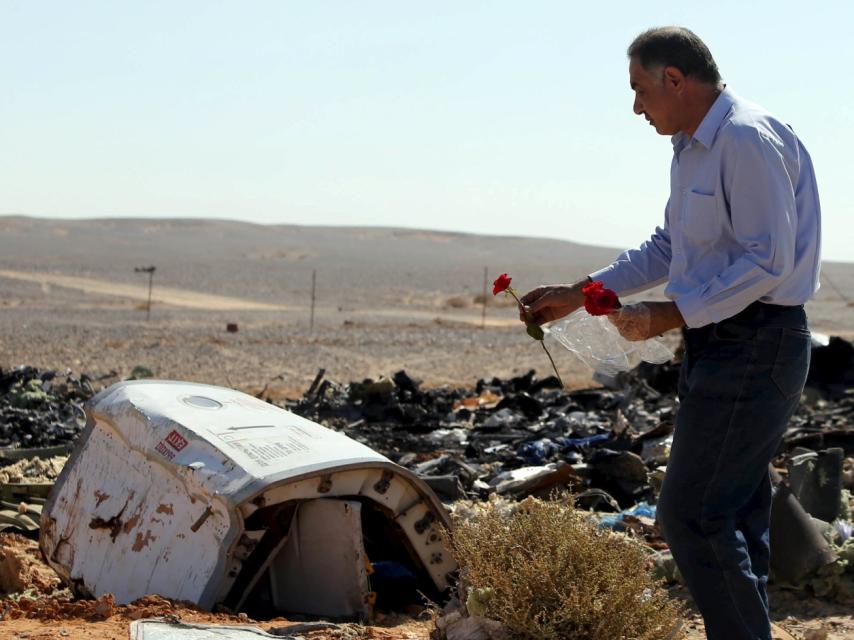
[[606, 276], [694, 310]]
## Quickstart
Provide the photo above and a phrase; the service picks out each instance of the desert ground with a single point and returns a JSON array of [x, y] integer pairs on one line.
[[386, 299]]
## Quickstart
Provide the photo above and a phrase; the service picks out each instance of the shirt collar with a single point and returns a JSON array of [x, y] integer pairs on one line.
[[711, 123]]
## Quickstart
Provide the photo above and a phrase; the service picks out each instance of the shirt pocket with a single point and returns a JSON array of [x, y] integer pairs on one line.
[[700, 218]]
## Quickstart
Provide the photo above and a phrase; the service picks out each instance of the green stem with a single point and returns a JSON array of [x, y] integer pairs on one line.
[[554, 366], [542, 342]]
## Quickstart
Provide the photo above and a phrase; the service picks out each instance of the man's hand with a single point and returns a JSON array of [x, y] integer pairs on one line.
[[552, 301], [646, 319]]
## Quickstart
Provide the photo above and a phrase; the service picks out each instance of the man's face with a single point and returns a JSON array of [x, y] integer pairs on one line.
[[656, 98]]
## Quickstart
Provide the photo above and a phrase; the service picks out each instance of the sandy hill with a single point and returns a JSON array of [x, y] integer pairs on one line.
[[274, 263]]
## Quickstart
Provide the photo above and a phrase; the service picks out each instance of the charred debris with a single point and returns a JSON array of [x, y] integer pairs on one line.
[[506, 439]]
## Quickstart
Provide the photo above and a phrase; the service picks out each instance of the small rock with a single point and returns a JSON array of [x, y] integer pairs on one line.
[[476, 628], [105, 606]]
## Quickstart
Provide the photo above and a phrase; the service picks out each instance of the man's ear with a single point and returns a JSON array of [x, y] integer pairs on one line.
[[674, 78]]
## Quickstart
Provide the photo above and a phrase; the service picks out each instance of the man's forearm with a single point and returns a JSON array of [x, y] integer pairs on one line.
[[664, 316]]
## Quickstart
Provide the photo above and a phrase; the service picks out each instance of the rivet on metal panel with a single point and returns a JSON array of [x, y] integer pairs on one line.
[[424, 523], [208, 512], [384, 482], [436, 558], [325, 485], [433, 537]]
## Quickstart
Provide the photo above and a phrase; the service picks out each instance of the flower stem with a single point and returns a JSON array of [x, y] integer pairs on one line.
[[512, 292], [554, 366]]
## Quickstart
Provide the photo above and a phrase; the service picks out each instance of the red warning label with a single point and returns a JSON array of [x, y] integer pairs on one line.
[[176, 441]]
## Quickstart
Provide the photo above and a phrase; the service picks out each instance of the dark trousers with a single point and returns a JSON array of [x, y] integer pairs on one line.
[[740, 382]]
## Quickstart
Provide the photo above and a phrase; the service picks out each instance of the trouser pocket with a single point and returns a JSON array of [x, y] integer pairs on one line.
[[791, 364]]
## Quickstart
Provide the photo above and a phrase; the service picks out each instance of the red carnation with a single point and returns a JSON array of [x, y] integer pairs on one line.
[[598, 300], [501, 283]]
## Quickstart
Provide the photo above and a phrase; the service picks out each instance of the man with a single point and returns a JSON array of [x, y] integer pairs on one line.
[[739, 251]]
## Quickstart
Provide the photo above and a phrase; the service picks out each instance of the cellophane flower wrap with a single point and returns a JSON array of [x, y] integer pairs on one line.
[[596, 341]]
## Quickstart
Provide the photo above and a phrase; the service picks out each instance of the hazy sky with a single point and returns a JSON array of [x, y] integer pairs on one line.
[[511, 118]]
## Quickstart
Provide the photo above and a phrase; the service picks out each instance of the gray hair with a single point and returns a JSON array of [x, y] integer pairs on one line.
[[675, 47]]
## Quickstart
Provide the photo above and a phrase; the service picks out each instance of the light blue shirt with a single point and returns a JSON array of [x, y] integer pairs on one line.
[[742, 223]]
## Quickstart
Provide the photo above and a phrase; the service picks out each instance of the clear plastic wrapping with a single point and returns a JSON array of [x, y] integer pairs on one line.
[[601, 347]]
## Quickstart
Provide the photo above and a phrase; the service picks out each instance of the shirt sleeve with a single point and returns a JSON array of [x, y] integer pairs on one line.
[[642, 268], [763, 219]]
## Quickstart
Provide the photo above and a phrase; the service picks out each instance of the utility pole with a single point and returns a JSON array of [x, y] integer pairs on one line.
[[483, 312], [150, 271], [313, 292]]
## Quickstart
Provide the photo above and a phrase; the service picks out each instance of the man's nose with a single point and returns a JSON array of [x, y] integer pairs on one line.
[[637, 107]]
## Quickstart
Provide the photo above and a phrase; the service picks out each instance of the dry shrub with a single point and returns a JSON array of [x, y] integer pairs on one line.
[[546, 572], [494, 301], [457, 302]]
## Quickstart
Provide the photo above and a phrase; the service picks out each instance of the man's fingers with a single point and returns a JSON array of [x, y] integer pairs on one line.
[[546, 303], [540, 303], [542, 317], [532, 295], [539, 317]]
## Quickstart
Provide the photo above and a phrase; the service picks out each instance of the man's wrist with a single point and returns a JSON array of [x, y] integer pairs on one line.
[[577, 288], [676, 316], [673, 317]]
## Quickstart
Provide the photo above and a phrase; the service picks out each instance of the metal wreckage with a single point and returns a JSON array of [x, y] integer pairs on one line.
[[333, 505]]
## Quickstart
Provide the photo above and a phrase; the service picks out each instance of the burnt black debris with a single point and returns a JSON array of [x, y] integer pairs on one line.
[[832, 367], [40, 408], [525, 436], [468, 443], [501, 427], [503, 435]]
